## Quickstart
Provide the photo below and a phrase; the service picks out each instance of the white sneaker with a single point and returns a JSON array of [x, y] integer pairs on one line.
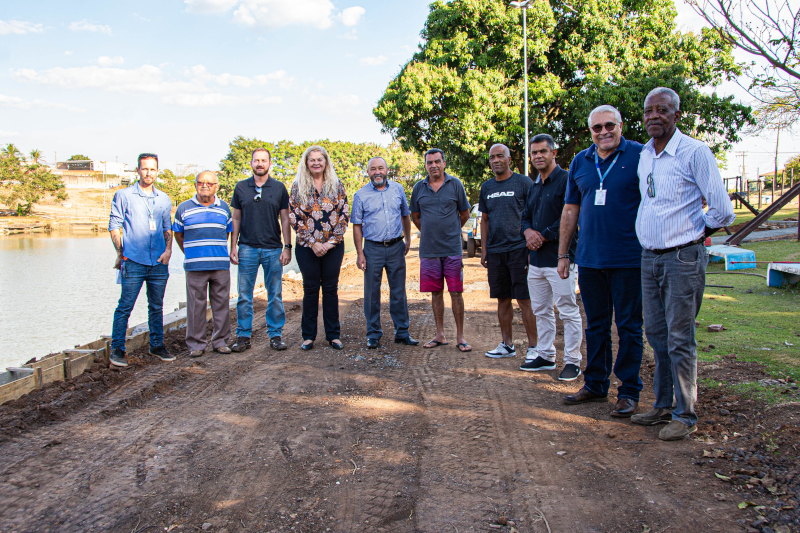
[[531, 354], [502, 350]]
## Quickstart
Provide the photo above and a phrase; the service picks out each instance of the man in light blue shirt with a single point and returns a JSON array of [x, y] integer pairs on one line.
[[675, 173], [140, 230], [381, 217]]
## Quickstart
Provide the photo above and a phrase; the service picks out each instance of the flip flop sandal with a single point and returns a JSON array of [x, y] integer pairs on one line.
[[435, 344], [460, 344]]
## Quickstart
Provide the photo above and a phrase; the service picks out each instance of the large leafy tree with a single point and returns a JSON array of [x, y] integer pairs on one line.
[[79, 157], [349, 159], [463, 90], [23, 185]]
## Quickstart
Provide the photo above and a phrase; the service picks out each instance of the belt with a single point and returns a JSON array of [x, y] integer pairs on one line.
[[680, 247], [387, 243]]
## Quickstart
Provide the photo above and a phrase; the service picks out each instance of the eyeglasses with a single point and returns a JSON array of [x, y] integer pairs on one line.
[[651, 186], [609, 126], [206, 184], [257, 198]]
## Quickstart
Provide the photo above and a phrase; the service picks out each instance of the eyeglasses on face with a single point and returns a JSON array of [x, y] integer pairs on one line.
[[651, 186], [609, 126], [257, 197], [208, 184]]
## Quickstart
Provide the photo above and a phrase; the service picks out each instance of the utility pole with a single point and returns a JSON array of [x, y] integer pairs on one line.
[[775, 181]]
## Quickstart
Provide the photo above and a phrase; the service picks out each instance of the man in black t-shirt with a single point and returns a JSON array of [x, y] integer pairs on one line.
[[257, 204], [504, 248]]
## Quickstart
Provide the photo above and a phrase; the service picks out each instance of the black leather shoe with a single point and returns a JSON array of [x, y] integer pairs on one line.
[[408, 341], [336, 345], [307, 347], [584, 396], [372, 343], [624, 408], [277, 343]]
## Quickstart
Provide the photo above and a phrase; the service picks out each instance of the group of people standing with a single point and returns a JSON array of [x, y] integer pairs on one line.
[[640, 258]]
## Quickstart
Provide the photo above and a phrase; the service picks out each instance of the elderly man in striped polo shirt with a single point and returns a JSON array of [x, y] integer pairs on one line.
[[202, 226], [675, 173]]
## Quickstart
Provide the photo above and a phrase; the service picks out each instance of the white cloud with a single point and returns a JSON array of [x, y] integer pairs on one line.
[[200, 74], [342, 104], [85, 25], [350, 16], [19, 27], [106, 61], [217, 99], [352, 35], [67, 53], [19, 103], [373, 61], [278, 13], [5, 133]]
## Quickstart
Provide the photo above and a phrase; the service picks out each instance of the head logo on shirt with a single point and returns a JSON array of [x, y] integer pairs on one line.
[[499, 194]]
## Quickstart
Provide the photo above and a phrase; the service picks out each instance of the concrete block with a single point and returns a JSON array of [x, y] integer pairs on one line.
[[735, 258], [780, 273]]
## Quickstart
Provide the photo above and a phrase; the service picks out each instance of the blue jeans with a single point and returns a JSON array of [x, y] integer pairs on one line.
[[133, 276], [672, 286], [605, 293], [249, 260]]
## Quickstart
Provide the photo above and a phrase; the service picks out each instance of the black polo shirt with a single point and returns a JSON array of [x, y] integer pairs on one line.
[[260, 227], [543, 213]]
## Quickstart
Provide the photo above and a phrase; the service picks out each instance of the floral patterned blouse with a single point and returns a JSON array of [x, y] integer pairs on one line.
[[321, 219]]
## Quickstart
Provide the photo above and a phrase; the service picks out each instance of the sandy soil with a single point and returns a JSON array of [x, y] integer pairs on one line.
[[397, 439]]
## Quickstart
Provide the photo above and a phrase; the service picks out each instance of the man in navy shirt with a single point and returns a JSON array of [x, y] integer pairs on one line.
[[140, 230], [541, 221], [603, 190]]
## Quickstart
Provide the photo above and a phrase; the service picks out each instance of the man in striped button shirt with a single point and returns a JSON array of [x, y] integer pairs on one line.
[[675, 173], [202, 225]]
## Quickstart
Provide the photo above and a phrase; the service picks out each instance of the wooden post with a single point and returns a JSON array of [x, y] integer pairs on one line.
[[67, 368], [39, 378]]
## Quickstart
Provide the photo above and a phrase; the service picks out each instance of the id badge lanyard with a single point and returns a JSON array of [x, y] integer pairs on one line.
[[600, 194], [150, 211]]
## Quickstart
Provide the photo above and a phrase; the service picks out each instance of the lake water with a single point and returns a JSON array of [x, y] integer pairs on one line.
[[60, 290]]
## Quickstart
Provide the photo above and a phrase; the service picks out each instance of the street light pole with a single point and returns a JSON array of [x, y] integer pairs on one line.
[[524, 5]]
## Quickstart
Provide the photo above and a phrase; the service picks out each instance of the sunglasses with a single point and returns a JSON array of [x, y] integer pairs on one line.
[[257, 197], [206, 184], [651, 186], [609, 126]]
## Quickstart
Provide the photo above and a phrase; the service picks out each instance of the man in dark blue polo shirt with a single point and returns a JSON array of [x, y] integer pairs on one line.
[[603, 198], [541, 221]]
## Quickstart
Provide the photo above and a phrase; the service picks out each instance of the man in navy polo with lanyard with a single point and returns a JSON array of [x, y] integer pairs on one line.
[[603, 197], [140, 230], [676, 172], [381, 219]]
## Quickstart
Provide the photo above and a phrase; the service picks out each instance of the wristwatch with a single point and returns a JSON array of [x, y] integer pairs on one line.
[[287, 246]]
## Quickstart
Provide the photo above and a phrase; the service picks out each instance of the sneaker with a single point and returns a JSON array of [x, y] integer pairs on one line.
[[241, 344], [653, 417], [676, 430], [277, 343], [502, 350], [531, 354], [570, 372], [117, 358], [162, 353], [540, 363]]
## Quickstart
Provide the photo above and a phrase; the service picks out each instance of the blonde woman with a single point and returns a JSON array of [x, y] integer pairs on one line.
[[319, 213]]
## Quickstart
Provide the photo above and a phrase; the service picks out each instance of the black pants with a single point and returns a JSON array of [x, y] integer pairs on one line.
[[320, 272]]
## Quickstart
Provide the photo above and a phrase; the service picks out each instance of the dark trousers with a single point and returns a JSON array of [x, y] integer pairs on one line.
[[673, 286], [393, 259], [320, 272], [214, 286], [605, 293]]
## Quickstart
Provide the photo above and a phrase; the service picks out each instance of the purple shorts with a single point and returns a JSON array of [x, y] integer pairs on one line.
[[434, 270]]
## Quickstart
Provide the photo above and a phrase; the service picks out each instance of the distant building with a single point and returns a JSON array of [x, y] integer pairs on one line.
[[93, 174]]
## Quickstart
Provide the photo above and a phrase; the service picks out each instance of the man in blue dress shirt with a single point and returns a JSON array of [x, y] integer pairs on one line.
[[675, 173], [381, 218], [140, 230], [603, 190]]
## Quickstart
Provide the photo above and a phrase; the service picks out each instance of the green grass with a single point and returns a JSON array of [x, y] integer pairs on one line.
[[744, 214], [757, 317]]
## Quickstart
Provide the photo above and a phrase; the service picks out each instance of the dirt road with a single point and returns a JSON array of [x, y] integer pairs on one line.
[[397, 439]]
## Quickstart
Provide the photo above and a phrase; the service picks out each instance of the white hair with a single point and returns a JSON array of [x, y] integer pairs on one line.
[[605, 109], [505, 149], [674, 99]]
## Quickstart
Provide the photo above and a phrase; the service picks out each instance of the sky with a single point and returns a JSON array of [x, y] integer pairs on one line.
[[183, 78]]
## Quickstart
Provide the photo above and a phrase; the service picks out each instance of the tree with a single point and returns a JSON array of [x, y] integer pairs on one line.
[[462, 91], [79, 157], [25, 184], [37, 156], [349, 160], [769, 29], [10, 150], [776, 115], [178, 188]]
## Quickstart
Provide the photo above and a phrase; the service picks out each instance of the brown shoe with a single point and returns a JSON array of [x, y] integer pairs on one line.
[[241, 344], [222, 349], [196, 353], [277, 343], [653, 417], [584, 396], [624, 408], [676, 430]]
